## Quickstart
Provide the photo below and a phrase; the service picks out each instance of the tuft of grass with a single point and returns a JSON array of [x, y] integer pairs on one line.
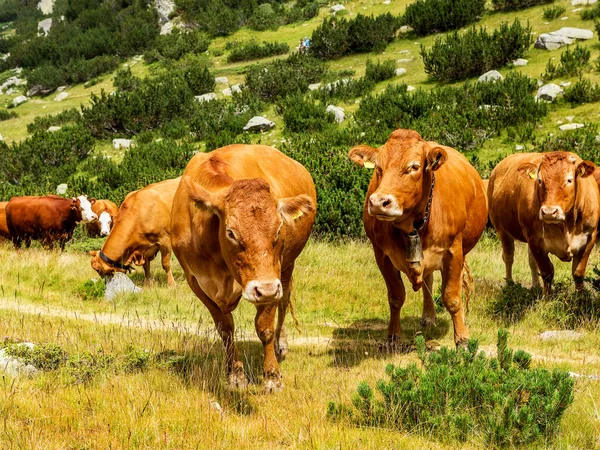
[[554, 12]]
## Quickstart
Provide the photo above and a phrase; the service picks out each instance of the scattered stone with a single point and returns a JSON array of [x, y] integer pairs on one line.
[[578, 375], [338, 112], [119, 283], [122, 143], [314, 86], [335, 8], [44, 27], [60, 89], [166, 28], [548, 92], [519, 147], [551, 42], [61, 189], [12, 81], [565, 83], [571, 126], [564, 18], [259, 123], [400, 71], [520, 62], [576, 10], [404, 52], [14, 366], [410, 88], [228, 92], [222, 80], [19, 100], [46, 6], [405, 60], [582, 2], [11, 91], [333, 84], [492, 75], [206, 97], [405, 29], [60, 97], [570, 118], [574, 33], [561, 335], [53, 128], [387, 2]]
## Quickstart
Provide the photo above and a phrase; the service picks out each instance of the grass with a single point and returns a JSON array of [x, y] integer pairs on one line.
[[341, 306]]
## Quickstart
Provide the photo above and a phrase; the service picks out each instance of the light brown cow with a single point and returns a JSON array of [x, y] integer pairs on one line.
[[241, 216], [4, 233], [106, 212], [141, 230], [549, 201], [422, 189]]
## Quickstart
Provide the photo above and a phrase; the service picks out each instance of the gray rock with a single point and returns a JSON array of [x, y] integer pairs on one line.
[[405, 29], [259, 123], [400, 71], [571, 126], [491, 75], [338, 112], [44, 27], [19, 100], [404, 52], [164, 8], [410, 88], [61, 189], [222, 80], [333, 84], [14, 366], [563, 335], [336, 8], [206, 97], [574, 33], [166, 28], [551, 42], [46, 6], [10, 91], [549, 92], [387, 2], [563, 18], [119, 283], [53, 128], [314, 86], [582, 2], [565, 83], [405, 60], [60, 97], [576, 10], [520, 62], [122, 143], [228, 92], [519, 147], [13, 81], [60, 89]]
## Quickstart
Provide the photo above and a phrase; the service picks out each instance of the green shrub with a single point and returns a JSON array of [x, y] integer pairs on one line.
[[7, 115], [583, 91], [42, 123], [435, 16], [47, 76], [84, 367], [42, 357], [136, 360], [81, 70], [380, 71], [302, 115], [581, 141], [344, 89], [591, 13], [265, 18], [92, 290], [253, 50], [474, 52], [125, 80], [513, 302], [179, 43], [572, 63], [554, 12], [512, 5], [460, 394]]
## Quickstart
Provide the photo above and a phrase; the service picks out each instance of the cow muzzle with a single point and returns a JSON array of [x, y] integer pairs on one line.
[[263, 291], [552, 214], [384, 207], [88, 218]]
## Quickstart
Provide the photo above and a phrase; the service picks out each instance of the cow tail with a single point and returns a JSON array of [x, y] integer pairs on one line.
[[467, 284], [291, 307]]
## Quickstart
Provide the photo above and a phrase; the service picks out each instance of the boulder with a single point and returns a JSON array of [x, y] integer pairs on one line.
[[166, 28], [333, 84], [228, 92], [520, 62], [548, 92], [61, 189], [563, 335], [574, 33], [400, 71], [10, 91], [46, 6], [259, 123], [60, 89], [410, 88], [314, 86], [405, 29], [18, 100], [206, 97], [164, 8], [44, 27], [60, 97], [336, 8], [551, 42], [122, 143], [571, 126], [491, 75], [53, 128], [119, 283], [222, 80], [582, 2], [14, 366], [338, 112]]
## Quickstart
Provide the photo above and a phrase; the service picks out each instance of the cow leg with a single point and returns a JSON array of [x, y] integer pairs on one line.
[[281, 344], [265, 328], [451, 290], [165, 259], [545, 265], [428, 317], [147, 272], [396, 293], [508, 253], [580, 261], [236, 378], [535, 276]]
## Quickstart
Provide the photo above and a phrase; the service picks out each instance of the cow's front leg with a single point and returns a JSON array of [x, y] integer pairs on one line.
[[147, 272], [281, 344], [428, 317], [545, 266], [452, 273], [580, 261], [265, 328], [396, 293], [165, 259], [535, 277]]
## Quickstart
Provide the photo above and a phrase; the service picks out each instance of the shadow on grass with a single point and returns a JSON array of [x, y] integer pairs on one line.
[[368, 339]]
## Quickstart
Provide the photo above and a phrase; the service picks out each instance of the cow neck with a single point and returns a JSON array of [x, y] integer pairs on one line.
[[420, 224]]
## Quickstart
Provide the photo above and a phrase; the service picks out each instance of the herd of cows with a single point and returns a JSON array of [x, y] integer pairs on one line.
[[240, 216]]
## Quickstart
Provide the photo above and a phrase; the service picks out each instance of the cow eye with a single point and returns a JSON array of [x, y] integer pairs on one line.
[[569, 180], [231, 235], [413, 167]]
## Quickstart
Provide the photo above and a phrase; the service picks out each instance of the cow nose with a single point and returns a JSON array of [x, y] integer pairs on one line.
[[263, 291], [552, 212], [381, 204]]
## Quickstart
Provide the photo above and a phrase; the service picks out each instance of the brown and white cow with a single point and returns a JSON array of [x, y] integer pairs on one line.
[[106, 212], [423, 189], [4, 233], [241, 216], [47, 218], [141, 229], [550, 201]]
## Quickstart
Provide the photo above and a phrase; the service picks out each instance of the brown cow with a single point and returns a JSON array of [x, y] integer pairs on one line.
[[241, 216], [106, 212], [4, 233], [140, 231], [47, 219], [549, 201], [422, 191]]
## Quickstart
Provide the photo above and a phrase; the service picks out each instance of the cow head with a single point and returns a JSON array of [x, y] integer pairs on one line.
[[105, 221], [403, 171], [252, 231], [556, 179], [104, 269], [84, 206]]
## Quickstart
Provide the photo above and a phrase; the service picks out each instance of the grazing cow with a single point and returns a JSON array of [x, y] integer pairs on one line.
[[106, 212], [141, 229], [241, 216], [47, 219], [424, 195], [549, 201], [4, 233]]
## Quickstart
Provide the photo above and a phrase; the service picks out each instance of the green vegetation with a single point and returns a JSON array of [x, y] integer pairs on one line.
[[253, 50], [572, 63], [554, 12], [583, 91], [433, 16], [512, 5]]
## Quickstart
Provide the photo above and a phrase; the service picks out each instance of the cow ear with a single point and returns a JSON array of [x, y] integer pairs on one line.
[[202, 197], [293, 208], [364, 156], [436, 157], [528, 170], [93, 253], [585, 169], [92, 200]]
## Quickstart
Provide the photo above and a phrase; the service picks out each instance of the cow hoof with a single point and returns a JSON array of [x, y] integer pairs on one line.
[[428, 322], [462, 343], [281, 350], [273, 385], [237, 381]]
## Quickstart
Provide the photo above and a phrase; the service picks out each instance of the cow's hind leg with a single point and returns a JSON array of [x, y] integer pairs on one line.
[[265, 328], [545, 265], [580, 261], [281, 344], [535, 276], [451, 291], [396, 293], [508, 253], [428, 317]]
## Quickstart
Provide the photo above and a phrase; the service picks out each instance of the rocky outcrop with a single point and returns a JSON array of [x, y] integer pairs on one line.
[[548, 92], [259, 123], [338, 113], [46, 6], [44, 27], [492, 75]]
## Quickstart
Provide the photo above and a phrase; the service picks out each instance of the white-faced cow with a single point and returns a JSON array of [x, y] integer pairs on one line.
[[107, 212]]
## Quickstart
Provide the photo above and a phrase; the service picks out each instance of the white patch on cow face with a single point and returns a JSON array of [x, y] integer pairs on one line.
[[87, 215], [105, 222]]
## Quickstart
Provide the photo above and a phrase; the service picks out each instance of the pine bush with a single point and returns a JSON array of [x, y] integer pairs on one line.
[[572, 63], [512, 5], [435, 16], [583, 91], [253, 50]]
